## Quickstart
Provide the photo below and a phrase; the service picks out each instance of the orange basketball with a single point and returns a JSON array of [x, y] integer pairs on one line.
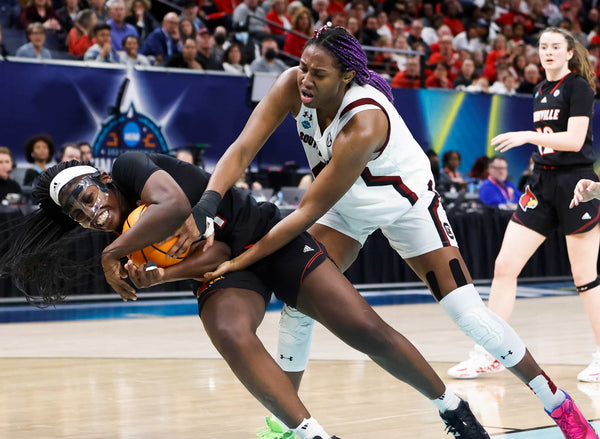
[[156, 253]]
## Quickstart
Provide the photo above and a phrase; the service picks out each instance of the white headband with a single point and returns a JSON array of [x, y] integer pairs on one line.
[[65, 176]]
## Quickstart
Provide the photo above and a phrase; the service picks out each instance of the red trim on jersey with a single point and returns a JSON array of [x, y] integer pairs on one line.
[[517, 220], [556, 86], [309, 263], [586, 225], [386, 180], [433, 210], [371, 101]]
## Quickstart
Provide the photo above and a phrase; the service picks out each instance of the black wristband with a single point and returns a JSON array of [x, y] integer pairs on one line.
[[206, 208]]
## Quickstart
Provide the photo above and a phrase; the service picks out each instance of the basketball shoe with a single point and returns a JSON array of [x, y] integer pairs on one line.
[[462, 423], [570, 420], [274, 430], [591, 374], [479, 362]]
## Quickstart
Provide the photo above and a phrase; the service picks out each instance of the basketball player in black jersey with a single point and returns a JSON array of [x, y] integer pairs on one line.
[[231, 307], [563, 105]]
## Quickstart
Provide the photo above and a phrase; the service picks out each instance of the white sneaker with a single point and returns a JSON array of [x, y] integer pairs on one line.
[[591, 374], [479, 362]]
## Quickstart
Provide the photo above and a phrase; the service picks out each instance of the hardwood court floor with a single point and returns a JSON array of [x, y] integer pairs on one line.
[[161, 378]]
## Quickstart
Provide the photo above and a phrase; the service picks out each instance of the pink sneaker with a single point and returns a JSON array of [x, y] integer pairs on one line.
[[571, 421]]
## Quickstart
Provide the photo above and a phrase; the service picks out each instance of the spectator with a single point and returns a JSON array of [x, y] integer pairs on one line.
[[221, 43], [7, 164], [163, 42], [532, 77], [187, 29], [400, 43], [415, 36], [497, 190], [466, 75], [68, 152], [34, 49], [187, 58], [86, 152], [39, 150], [439, 78], [320, 13], [3, 52], [448, 55], [268, 61], [100, 9], [189, 10], [293, 7], [354, 27], [67, 15], [130, 56], [40, 11], [384, 63], [474, 38], [517, 67], [278, 15], [480, 85], [80, 36], [370, 35], [9, 13], [452, 12], [411, 76], [383, 26], [450, 177], [339, 19], [141, 18], [119, 29], [102, 50], [243, 22], [479, 172], [500, 86], [301, 23], [207, 56], [233, 63]]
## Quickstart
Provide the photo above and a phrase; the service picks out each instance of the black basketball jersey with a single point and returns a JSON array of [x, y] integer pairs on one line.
[[553, 103], [240, 220]]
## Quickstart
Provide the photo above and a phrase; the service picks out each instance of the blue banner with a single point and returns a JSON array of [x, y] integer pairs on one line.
[[155, 110]]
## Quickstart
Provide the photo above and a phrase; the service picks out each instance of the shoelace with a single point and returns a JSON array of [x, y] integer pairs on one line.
[[571, 423]]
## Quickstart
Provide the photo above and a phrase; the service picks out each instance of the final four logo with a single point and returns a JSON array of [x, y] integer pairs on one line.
[[130, 131]]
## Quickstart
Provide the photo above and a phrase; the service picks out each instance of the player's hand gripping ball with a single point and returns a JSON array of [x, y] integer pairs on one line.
[[156, 252]]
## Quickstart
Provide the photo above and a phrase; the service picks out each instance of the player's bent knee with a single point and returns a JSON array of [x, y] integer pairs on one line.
[[295, 339], [467, 310]]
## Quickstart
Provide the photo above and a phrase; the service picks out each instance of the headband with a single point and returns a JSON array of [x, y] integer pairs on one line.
[[65, 176]]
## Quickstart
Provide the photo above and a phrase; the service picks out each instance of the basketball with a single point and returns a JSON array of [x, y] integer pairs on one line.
[[156, 252]]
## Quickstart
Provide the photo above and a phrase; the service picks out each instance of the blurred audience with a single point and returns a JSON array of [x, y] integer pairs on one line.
[[7, 164], [207, 56], [130, 55], [497, 190], [302, 23], [86, 151], [102, 50], [119, 29], [68, 152], [233, 63], [450, 177], [81, 35], [163, 42], [187, 58], [268, 61], [40, 11], [141, 18]]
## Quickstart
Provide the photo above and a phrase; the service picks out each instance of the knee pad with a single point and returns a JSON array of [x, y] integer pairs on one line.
[[295, 338], [467, 310]]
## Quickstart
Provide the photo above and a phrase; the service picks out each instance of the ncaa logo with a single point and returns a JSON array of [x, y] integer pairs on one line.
[[305, 124], [131, 134]]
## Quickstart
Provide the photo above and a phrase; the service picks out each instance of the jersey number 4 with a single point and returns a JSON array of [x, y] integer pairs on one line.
[[544, 150]]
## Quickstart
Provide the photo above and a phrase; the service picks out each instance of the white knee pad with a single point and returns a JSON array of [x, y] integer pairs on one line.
[[467, 310], [295, 338]]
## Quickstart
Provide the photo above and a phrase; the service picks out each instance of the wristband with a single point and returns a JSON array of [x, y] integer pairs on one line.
[[204, 212]]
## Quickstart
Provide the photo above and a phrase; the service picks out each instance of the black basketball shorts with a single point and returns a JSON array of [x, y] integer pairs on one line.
[[281, 273], [544, 204]]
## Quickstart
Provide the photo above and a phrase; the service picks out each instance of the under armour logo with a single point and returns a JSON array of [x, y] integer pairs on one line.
[[307, 249], [285, 358], [504, 356]]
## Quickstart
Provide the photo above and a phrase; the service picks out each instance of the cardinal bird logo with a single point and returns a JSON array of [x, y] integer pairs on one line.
[[528, 200]]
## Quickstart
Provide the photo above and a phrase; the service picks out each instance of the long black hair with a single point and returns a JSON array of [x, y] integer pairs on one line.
[[39, 250]]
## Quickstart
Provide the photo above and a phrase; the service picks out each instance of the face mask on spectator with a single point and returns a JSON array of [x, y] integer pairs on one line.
[[270, 54]]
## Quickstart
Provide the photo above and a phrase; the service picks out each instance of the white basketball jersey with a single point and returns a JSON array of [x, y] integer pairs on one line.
[[394, 178]]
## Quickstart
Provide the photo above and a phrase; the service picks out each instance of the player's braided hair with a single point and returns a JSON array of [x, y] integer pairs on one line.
[[350, 55], [580, 62], [37, 252]]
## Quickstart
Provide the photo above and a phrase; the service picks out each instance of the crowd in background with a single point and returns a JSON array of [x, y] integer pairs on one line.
[[473, 45]]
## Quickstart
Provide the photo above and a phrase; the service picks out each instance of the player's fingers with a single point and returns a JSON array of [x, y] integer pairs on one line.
[[209, 242]]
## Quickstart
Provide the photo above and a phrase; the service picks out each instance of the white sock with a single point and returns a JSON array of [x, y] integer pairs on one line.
[[448, 401], [541, 387], [309, 428]]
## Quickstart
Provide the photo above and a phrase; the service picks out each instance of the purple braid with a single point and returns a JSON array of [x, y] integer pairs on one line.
[[349, 53]]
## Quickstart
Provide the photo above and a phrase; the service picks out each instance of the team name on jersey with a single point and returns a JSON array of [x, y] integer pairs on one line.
[[541, 115], [306, 138]]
